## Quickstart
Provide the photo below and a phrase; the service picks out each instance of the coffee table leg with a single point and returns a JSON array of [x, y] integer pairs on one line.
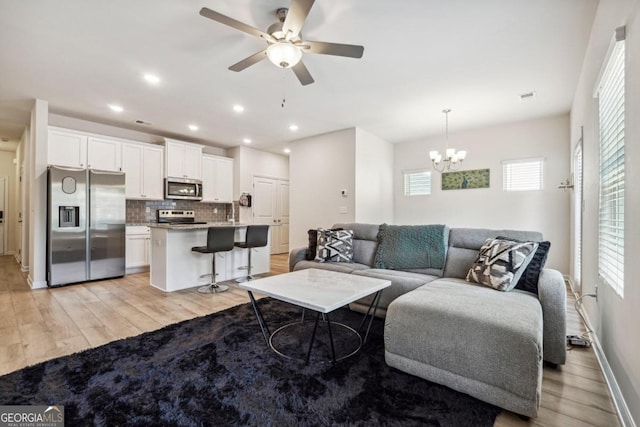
[[313, 337], [374, 305], [263, 325], [333, 351]]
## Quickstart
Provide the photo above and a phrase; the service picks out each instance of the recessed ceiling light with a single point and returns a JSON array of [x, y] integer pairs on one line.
[[293, 128], [247, 141], [193, 127], [116, 108], [287, 150], [152, 79], [238, 108]]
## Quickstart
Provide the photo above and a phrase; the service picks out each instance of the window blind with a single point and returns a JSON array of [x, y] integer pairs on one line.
[[612, 174], [417, 183], [523, 174]]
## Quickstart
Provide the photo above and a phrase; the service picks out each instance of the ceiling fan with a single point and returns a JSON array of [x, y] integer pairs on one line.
[[284, 40]]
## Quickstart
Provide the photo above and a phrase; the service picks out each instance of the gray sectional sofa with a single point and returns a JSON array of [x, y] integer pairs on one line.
[[469, 337]]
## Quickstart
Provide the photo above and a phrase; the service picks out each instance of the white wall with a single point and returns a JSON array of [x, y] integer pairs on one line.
[[319, 168], [249, 162], [37, 171], [21, 197], [546, 211], [374, 179], [616, 320]]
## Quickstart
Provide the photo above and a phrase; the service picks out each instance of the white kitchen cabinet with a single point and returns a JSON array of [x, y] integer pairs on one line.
[[66, 148], [153, 176], [138, 248], [104, 154], [217, 179], [142, 165], [183, 160]]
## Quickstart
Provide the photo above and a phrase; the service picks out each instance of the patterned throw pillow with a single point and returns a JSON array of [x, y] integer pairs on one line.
[[500, 263], [313, 243], [529, 279], [335, 246]]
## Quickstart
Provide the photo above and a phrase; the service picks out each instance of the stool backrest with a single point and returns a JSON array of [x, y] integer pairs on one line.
[[220, 239], [257, 236]]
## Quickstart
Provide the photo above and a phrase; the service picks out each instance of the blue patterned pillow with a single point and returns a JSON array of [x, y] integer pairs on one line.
[[500, 263], [335, 246]]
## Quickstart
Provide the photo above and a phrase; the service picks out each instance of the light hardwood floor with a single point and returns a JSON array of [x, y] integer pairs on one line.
[[43, 324]]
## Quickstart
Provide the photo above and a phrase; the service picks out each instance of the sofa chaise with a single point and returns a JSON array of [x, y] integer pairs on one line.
[[467, 336]]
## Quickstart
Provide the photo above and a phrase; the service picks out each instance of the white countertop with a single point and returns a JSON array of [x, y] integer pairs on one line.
[[195, 226]]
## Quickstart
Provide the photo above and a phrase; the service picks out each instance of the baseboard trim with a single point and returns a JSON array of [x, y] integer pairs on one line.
[[618, 399], [626, 419], [36, 284]]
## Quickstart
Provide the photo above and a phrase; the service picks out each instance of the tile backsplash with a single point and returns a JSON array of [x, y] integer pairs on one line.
[[137, 212]]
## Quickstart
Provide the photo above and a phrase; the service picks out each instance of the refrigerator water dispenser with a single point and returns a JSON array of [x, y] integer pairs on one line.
[[69, 216]]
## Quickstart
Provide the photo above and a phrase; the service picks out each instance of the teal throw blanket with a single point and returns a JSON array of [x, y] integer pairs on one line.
[[404, 247]]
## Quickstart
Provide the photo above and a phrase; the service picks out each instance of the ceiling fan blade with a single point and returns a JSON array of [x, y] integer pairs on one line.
[[223, 19], [248, 62], [302, 73], [296, 16], [324, 48]]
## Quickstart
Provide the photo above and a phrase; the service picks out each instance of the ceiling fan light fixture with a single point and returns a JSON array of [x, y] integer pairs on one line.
[[284, 54]]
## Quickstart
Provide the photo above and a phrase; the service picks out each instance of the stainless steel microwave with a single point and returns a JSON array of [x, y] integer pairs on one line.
[[182, 188]]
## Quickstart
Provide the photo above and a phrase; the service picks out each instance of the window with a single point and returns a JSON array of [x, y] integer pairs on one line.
[[523, 174], [417, 183], [610, 93]]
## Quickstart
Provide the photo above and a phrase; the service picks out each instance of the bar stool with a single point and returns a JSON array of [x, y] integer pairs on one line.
[[256, 237], [219, 239]]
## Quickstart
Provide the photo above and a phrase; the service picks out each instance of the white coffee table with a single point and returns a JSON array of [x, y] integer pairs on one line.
[[322, 291]]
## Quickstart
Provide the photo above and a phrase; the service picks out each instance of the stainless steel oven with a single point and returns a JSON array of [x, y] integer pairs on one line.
[[181, 188]]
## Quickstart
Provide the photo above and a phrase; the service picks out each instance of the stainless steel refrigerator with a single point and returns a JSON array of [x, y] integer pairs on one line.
[[85, 225]]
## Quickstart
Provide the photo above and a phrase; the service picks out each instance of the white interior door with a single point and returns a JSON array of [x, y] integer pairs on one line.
[[578, 208], [270, 204], [282, 213], [264, 201]]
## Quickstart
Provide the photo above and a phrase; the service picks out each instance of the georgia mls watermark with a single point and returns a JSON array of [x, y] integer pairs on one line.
[[31, 416]]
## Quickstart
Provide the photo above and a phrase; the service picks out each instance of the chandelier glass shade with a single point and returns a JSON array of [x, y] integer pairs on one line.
[[284, 54], [452, 159]]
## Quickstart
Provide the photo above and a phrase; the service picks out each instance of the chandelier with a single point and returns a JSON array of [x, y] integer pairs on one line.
[[452, 158]]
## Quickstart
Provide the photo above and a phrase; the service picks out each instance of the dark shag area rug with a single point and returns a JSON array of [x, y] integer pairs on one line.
[[217, 370]]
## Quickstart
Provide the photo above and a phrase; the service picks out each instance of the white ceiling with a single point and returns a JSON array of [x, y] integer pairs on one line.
[[475, 57]]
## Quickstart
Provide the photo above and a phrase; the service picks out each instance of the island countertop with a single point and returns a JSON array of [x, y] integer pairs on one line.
[[196, 226], [175, 266]]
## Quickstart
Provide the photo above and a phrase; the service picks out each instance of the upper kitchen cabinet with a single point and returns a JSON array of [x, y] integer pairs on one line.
[[83, 150], [142, 165], [183, 160], [104, 154], [217, 179], [66, 148]]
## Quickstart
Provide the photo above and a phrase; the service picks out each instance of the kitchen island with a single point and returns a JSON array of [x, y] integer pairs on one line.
[[174, 266]]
